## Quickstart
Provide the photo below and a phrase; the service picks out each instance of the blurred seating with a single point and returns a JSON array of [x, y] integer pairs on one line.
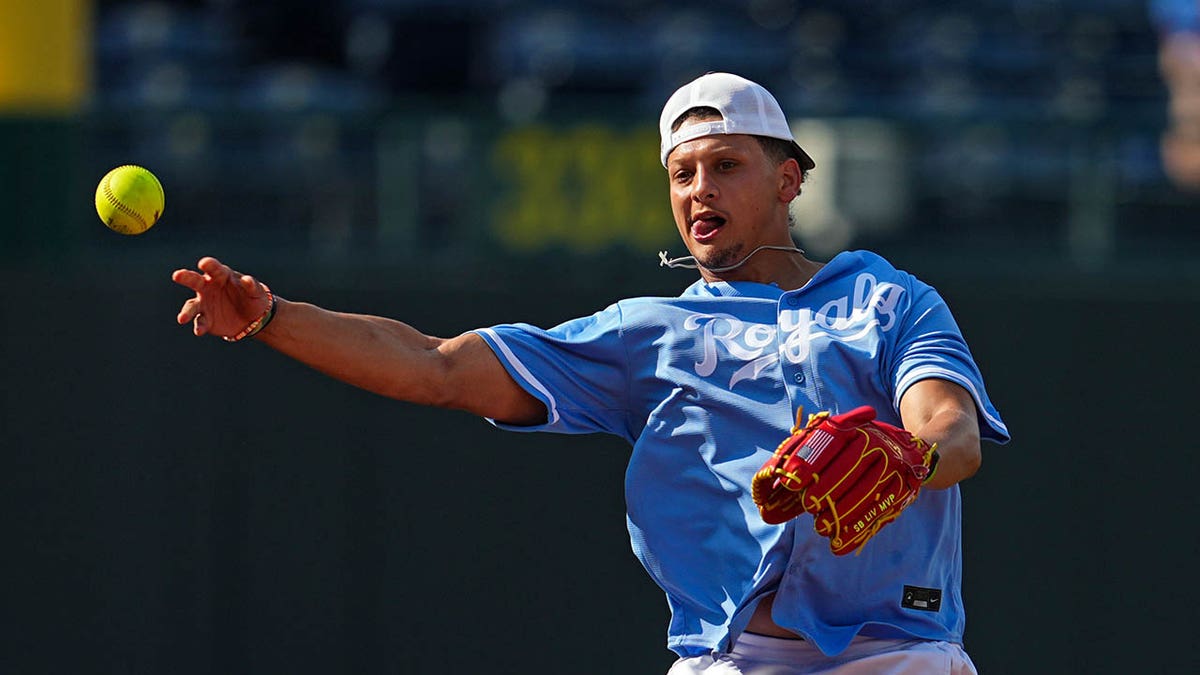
[[910, 58], [996, 97]]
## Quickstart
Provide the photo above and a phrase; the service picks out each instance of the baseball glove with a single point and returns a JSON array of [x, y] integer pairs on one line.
[[852, 473]]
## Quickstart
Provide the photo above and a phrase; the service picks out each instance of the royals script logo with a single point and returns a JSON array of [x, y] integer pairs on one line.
[[871, 306]]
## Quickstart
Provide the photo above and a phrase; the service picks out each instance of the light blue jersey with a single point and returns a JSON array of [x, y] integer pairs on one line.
[[705, 386]]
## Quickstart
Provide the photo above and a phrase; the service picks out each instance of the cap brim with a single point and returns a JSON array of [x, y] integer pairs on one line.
[[802, 157]]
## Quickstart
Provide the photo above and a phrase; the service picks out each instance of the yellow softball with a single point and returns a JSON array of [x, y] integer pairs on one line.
[[129, 199]]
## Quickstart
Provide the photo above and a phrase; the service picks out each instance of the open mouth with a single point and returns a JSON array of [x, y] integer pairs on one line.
[[705, 228]]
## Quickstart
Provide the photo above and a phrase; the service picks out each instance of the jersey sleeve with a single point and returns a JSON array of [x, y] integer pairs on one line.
[[577, 369], [932, 346]]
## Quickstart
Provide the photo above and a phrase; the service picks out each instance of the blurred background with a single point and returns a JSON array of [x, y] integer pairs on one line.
[[174, 505]]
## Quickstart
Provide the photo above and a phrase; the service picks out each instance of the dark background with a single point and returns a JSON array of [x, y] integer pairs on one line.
[[181, 505]]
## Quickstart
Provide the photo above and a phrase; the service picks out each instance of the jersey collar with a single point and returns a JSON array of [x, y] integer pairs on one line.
[[753, 289]]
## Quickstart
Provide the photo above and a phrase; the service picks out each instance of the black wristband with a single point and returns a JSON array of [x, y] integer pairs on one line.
[[933, 462]]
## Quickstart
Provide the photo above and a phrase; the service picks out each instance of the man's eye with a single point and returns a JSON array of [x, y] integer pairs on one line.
[[682, 177], [727, 164]]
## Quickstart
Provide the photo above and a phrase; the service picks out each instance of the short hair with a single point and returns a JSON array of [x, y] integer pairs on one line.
[[776, 149]]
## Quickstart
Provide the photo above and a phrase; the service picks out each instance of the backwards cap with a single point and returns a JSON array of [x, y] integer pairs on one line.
[[745, 107]]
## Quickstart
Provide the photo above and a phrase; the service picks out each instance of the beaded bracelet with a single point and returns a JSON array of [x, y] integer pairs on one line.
[[258, 324]]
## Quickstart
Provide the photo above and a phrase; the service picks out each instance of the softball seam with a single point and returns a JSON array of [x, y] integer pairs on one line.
[[118, 204]]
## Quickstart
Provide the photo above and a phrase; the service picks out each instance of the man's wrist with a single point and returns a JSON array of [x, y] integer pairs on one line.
[[934, 457], [255, 327]]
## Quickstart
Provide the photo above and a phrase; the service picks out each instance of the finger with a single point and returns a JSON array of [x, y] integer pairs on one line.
[[189, 311], [188, 278], [199, 325], [251, 286], [214, 269], [207, 263]]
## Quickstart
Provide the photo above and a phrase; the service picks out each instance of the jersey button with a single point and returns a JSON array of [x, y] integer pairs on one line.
[[799, 378], [793, 301]]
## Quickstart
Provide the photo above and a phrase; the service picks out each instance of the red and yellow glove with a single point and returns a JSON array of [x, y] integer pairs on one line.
[[852, 473]]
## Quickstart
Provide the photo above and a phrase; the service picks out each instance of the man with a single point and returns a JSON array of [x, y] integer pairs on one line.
[[704, 386], [1178, 26]]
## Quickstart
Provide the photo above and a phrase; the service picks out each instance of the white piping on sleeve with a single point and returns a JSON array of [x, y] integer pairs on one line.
[[516, 364], [927, 372]]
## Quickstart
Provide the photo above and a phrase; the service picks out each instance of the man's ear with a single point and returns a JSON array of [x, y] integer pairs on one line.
[[790, 178]]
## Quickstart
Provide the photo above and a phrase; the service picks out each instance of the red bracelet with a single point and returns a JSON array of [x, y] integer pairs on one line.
[[258, 324]]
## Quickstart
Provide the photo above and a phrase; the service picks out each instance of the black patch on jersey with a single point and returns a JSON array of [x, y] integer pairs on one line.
[[924, 599]]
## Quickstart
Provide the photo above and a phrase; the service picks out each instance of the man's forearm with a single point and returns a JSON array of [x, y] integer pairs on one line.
[[942, 412], [377, 354], [394, 359], [957, 438]]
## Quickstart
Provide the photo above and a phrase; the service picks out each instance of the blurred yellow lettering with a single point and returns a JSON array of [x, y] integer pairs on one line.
[[585, 188]]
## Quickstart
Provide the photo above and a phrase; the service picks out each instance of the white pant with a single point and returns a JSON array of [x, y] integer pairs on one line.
[[762, 655]]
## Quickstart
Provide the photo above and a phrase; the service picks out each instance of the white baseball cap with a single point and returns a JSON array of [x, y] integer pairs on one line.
[[746, 108]]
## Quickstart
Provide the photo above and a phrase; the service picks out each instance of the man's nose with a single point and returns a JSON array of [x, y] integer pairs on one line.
[[704, 188]]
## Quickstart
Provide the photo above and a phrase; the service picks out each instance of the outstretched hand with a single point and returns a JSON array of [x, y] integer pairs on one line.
[[225, 302]]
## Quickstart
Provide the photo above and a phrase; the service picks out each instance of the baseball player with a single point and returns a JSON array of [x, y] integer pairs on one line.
[[705, 386]]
